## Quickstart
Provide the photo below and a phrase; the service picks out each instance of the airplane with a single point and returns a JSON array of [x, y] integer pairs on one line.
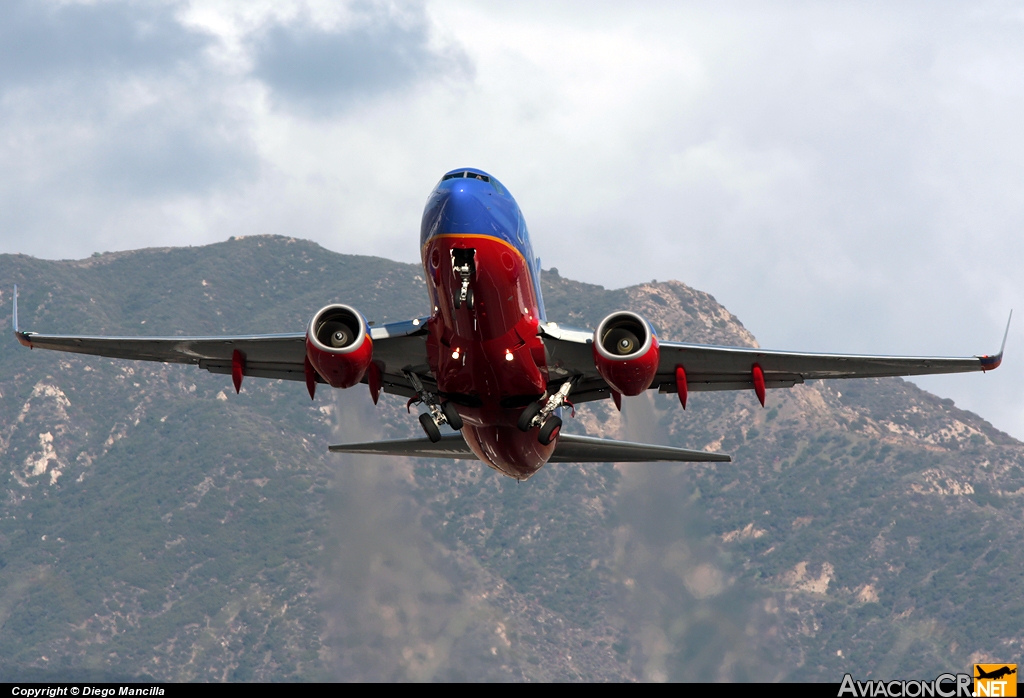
[[487, 362], [995, 674]]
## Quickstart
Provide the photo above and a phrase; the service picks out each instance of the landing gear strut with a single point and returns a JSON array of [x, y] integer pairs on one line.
[[541, 414], [466, 294], [440, 412], [464, 266]]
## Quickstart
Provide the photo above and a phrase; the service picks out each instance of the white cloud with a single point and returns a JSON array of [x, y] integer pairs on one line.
[[843, 177]]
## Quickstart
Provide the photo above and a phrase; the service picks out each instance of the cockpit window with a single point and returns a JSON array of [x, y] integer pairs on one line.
[[467, 175]]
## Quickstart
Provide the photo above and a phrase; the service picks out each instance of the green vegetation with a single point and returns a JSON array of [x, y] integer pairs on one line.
[[155, 524]]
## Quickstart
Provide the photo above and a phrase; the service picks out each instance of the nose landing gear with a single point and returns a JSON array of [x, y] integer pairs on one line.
[[464, 266]]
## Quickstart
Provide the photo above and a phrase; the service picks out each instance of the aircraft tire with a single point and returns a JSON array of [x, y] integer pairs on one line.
[[456, 301], [549, 430], [452, 415], [527, 416], [433, 433], [470, 301]]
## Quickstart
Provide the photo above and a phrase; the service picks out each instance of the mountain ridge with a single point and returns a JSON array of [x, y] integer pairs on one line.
[[156, 524]]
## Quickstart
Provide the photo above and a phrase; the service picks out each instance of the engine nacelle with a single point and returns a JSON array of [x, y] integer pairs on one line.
[[338, 345], [626, 352]]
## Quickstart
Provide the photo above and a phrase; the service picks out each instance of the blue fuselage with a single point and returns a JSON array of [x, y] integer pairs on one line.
[[469, 205]]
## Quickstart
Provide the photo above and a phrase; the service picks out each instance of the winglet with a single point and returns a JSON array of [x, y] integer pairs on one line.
[[990, 363], [22, 336]]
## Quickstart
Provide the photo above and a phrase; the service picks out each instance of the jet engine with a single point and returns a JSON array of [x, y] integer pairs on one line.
[[338, 345], [626, 352]]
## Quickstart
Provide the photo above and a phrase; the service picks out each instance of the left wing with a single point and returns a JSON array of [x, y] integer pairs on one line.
[[397, 347], [267, 355], [731, 368]]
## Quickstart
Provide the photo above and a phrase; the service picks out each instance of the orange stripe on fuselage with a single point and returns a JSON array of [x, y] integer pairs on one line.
[[489, 238]]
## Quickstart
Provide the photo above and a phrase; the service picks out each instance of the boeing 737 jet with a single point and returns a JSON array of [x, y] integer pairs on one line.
[[487, 362]]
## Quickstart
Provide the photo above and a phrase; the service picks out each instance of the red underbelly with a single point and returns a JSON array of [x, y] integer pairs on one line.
[[506, 449], [488, 356]]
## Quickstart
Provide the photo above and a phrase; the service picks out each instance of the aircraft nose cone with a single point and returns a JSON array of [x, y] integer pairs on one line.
[[463, 210]]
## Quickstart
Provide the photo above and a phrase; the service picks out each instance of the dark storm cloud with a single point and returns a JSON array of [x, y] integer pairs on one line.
[[323, 70], [43, 42]]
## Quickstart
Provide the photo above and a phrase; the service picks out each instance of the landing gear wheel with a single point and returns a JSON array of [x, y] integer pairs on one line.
[[549, 431], [531, 411], [452, 415], [457, 300], [433, 433], [470, 301]]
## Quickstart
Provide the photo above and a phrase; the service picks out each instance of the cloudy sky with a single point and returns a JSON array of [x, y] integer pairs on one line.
[[843, 177]]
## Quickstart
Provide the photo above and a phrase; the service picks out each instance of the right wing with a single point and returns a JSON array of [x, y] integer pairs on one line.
[[710, 367], [570, 448]]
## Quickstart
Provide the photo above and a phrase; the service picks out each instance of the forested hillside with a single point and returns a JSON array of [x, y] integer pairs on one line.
[[155, 524]]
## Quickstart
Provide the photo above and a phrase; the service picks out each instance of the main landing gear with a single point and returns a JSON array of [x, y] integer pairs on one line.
[[463, 265], [541, 414], [548, 432], [440, 412]]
